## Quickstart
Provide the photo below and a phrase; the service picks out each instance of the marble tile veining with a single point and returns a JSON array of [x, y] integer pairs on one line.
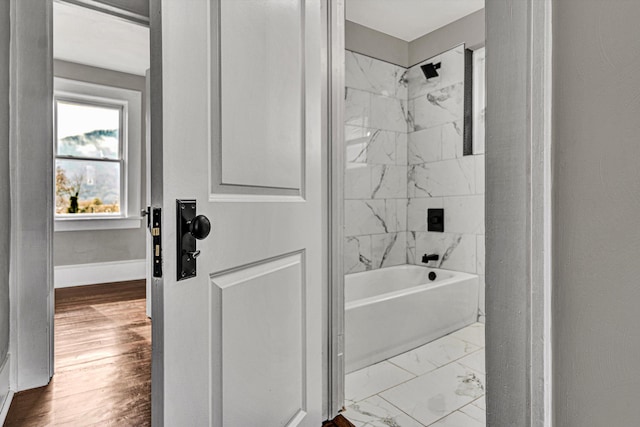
[[377, 412], [404, 140], [357, 180], [454, 177], [372, 75], [442, 106], [388, 113], [445, 392], [357, 254], [388, 249], [370, 217], [457, 251], [425, 146], [432, 396], [389, 182], [452, 140]]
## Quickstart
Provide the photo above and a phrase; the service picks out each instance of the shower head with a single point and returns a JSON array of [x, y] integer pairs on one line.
[[429, 70]]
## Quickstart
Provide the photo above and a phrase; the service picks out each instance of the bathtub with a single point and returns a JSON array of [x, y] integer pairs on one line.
[[392, 310]]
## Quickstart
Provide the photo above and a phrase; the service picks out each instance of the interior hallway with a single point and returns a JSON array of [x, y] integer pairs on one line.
[[102, 361]]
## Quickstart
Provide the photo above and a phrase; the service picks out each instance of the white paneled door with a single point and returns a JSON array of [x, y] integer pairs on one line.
[[242, 115]]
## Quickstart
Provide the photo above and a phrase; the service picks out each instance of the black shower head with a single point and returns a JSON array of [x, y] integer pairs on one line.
[[429, 70]]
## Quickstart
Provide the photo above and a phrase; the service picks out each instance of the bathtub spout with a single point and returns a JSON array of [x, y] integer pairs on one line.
[[430, 257]]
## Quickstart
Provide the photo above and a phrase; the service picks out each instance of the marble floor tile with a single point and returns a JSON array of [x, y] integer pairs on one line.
[[457, 419], [372, 380], [481, 403], [472, 333], [474, 361], [435, 354], [377, 412], [432, 396], [475, 413]]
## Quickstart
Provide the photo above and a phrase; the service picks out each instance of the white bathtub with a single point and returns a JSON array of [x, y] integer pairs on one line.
[[392, 310]]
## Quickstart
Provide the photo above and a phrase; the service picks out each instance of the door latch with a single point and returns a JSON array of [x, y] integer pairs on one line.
[[190, 227], [155, 227]]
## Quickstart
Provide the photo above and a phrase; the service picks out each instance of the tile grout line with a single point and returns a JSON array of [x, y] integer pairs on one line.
[[481, 348], [399, 409]]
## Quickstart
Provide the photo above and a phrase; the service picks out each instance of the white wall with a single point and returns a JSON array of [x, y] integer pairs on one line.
[[596, 110]]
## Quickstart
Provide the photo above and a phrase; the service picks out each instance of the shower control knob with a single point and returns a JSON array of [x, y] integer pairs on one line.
[[200, 227]]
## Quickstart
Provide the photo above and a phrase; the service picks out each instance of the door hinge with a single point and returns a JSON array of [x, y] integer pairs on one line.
[[155, 227]]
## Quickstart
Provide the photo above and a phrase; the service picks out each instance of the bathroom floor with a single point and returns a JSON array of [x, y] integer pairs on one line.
[[440, 384]]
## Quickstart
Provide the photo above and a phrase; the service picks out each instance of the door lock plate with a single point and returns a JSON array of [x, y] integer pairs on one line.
[[186, 250], [155, 225]]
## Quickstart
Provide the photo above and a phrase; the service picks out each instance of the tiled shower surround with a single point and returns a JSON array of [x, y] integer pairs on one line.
[[404, 139]]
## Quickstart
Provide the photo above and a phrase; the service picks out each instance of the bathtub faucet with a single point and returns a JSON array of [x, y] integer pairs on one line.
[[430, 257]]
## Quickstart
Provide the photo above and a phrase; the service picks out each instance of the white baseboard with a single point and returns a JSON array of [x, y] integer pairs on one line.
[[6, 395], [104, 272]]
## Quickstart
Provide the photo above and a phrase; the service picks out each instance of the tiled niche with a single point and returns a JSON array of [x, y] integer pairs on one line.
[[404, 155]]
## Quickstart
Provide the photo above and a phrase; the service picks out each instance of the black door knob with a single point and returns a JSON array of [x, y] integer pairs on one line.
[[200, 227]]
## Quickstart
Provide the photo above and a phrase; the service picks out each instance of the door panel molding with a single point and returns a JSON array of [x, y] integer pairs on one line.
[[247, 304], [223, 187]]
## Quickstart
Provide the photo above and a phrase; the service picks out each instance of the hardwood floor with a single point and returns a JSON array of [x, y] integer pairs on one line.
[[102, 361]]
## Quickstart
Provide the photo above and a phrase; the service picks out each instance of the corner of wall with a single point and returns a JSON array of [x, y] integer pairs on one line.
[[6, 393]]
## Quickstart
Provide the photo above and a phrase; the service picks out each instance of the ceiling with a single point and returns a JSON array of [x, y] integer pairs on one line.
[[93, 38], [409, 19]]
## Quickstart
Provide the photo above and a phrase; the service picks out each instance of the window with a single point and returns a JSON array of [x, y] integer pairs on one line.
[[97, 155], [89, 157]]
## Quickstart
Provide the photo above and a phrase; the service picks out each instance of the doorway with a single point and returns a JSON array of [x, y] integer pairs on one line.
[[102, 333], [414, 214], [512, 330]]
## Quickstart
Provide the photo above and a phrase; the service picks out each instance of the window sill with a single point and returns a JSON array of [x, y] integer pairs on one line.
[[82, 224]]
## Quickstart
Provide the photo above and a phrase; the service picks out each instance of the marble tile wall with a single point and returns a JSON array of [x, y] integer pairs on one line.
[[404, 138], [376, 155], [439, 176]]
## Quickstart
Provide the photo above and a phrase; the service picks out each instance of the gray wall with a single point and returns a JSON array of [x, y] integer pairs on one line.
[[5, 226], [468, 30], [82, 247], [366, 41], [506, 209], [596, 213]]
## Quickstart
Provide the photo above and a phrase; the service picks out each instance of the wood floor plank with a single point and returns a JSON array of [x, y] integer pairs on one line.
[[102, 361]]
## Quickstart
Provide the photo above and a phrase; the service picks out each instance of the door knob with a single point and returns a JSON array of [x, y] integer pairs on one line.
[[200, 227], [190, 229]]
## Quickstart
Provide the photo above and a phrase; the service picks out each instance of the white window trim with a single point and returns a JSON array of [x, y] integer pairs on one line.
[[131, 153]]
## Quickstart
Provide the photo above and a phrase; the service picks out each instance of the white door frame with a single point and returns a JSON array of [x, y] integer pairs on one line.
[[31, 179], [519, 76], [336, 167]]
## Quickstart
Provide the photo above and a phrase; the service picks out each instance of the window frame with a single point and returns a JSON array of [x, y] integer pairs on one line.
[[130, 148], [92, 101]]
